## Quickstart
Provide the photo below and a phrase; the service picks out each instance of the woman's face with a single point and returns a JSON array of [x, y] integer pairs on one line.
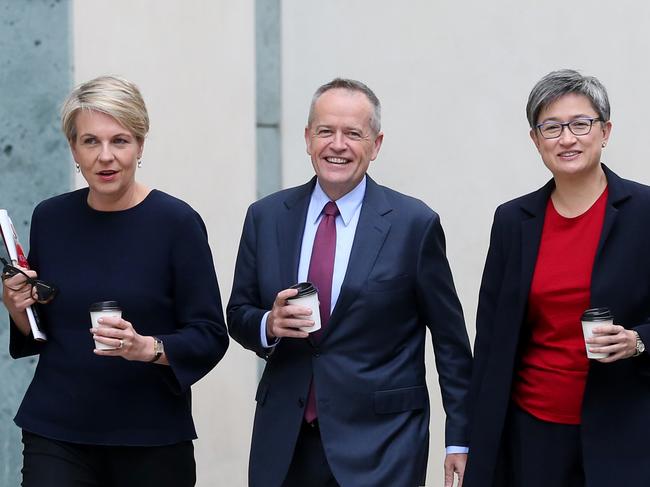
[[569, 154], [107, 154]]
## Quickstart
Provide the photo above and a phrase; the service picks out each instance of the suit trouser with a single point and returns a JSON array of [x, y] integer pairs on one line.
[[542, 454], [309, 465], [48, 463]]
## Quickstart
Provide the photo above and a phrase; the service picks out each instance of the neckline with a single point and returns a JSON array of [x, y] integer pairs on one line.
[[576, 218], [116, 212]]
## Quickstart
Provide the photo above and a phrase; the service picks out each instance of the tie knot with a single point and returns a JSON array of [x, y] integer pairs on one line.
[[331, 209]]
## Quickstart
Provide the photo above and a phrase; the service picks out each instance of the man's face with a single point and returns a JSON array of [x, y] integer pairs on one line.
[[340, 141]]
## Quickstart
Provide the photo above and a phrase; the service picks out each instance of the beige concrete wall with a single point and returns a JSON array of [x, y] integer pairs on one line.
[[454, 78], [194, 62]]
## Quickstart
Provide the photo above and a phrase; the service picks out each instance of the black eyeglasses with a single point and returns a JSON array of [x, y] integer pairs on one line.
[[44, 292], [579, 126]]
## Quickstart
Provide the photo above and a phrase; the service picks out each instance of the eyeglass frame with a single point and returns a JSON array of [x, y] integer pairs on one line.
[[568, 125], [9, 271]]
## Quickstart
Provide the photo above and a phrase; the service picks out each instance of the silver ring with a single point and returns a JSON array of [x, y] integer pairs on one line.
[[121, 343]]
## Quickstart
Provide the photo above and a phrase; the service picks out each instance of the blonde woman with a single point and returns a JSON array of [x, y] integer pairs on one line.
[[117, 417]]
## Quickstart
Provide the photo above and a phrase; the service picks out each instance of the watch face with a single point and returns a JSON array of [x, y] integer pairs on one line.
[[640, 346]]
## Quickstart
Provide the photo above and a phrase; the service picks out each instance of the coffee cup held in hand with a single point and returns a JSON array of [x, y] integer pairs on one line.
[[101, 310], [593, 318], [307, 296]]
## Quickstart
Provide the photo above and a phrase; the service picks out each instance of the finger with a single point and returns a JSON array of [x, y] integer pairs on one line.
[[607, 329], [617, 354], [115, 343], [293, 323], [113, 321], [612, 358], [613, 348], [107, 332], [296, 310], [604, 340], [285, 294], [108, 353], [25, 302], [449, 476]]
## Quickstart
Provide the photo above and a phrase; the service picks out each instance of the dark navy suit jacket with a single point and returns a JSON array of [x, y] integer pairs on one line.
[[369, 366], [615, 425]]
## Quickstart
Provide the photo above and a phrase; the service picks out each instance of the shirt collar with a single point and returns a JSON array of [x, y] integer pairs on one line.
[[348, 204]]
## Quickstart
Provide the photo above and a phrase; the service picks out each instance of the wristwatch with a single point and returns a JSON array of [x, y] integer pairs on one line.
[[158, 349], [640, 346]]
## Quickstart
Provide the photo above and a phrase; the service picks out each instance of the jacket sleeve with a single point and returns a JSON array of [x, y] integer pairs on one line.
[[201, 338], [244, 308], [437, 296], [491, 282]]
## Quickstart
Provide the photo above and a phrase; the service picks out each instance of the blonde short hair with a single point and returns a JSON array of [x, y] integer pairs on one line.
[[111, 95]]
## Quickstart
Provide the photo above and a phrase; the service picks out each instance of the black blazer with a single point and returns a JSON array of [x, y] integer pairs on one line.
[[615, 427], [369, 366]]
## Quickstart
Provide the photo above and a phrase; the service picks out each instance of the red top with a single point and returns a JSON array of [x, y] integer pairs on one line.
[[550, 381]]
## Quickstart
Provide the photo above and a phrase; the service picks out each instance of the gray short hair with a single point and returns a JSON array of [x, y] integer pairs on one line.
[[559, 83], [111, 95], [350, 85]]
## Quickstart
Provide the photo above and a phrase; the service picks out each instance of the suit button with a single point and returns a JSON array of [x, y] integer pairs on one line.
[[316, 352], [301, 402]]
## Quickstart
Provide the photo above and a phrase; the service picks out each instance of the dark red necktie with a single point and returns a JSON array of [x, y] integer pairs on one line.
[[321, 269]]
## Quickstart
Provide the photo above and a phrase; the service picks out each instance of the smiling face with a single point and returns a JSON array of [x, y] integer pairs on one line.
[[569, 154], [340, 141], [107, 154]]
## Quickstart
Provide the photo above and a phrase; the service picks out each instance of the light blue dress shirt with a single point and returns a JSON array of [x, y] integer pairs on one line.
[[346, 226]]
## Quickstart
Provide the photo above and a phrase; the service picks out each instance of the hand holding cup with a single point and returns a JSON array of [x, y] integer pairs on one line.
[[605, 341], [290, 319], [116, 337]]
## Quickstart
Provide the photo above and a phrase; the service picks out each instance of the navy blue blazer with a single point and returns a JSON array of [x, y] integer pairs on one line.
[[615, 426], [369, 366]]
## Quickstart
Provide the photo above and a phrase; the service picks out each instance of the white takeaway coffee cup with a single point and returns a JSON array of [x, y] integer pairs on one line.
[[307, 296], [103, 309], [591, 319]]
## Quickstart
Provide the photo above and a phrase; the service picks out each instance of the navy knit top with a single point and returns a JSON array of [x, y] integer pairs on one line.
[[154, 259]]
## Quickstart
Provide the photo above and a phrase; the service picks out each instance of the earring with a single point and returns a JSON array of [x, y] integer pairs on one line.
[[604, 144], [139, 163], [77, 167]]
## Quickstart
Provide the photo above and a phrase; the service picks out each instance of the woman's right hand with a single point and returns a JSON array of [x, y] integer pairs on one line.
[[17, 297]]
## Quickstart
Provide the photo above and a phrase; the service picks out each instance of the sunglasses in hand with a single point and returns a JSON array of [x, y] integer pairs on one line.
[[44, 292]]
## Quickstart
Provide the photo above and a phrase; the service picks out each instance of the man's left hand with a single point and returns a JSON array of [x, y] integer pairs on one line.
[[455, 463]]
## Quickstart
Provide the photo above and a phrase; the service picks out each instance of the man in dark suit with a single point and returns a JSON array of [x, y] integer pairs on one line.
[[348, 405]]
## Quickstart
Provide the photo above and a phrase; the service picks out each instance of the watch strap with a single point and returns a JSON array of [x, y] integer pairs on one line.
[[640, 346], [158, 349]]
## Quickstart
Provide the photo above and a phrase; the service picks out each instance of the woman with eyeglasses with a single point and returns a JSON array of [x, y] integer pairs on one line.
[[121, 416], [543, 414]]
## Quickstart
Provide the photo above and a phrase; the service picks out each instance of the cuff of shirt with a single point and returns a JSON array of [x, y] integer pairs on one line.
[[263, 340], [456, 449]]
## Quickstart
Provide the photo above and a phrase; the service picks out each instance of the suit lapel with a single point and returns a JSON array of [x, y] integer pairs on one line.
[[532, 224], [290, 228], [617, 193], [369, 237]]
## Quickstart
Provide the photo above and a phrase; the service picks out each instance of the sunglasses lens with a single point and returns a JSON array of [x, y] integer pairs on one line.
[[45, 292]]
